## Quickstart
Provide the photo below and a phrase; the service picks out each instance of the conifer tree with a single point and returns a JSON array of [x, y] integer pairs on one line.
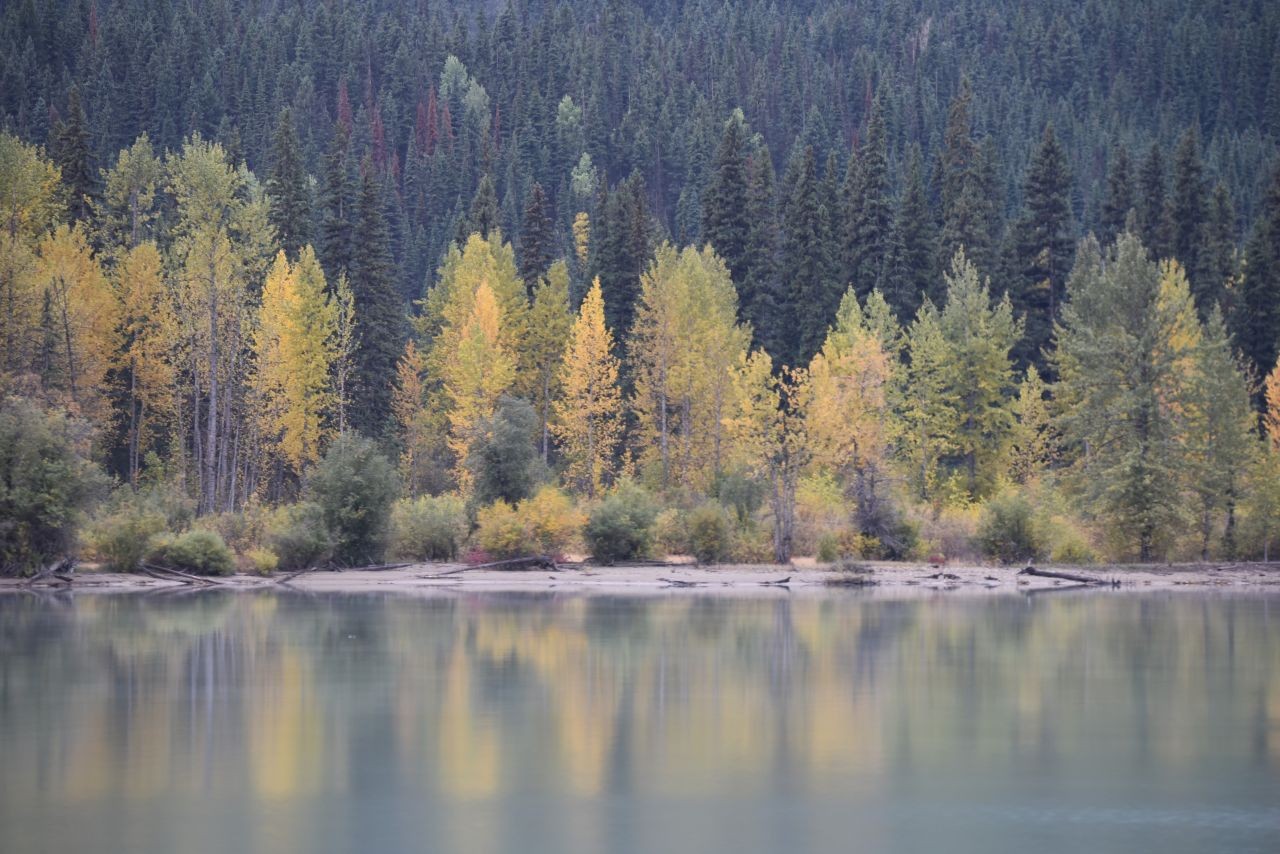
[[621, 245], [1188, 222], [810, 293], [912, 274], [966, 202], [588, 422], [1152, 208], [868, 209], [725, 222], [1257, 307], [1118, 199], [484, 214], [414, 422], [379, 314], [1128, 335], [550, 322], [928, 407], [73, 153], [128, 210], [1044, 247], [759, 290], [287, 189], [537, 239], [338, 209], [1034, 441]]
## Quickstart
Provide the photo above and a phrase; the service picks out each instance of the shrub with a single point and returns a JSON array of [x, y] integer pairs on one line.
[[828, 548], [620, 526], [197, 551], [710, 533], [298, 536], [428, 528], [355, 486], [504, 462], [502, 533], [125, 534], [671, 531], [554, 522], [262, 561], [1006, 530], [741, 494], [752, 544], [45, 484]]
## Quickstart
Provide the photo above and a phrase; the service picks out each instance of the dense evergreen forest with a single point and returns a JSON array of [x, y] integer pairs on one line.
[[848, 278]]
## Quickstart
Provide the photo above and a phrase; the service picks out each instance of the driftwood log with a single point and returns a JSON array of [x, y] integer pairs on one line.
[[164, 573], [1065, 576], [515, 564], [61, 571]]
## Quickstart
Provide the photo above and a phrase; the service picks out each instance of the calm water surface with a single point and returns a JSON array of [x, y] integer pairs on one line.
[[479, 723]]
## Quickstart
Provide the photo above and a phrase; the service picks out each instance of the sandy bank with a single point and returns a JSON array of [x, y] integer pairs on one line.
[[801, 577]]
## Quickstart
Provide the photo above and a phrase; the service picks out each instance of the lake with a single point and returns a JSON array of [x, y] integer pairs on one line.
[[540, 723]]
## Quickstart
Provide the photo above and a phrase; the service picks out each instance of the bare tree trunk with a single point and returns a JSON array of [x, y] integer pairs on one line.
[[209, 477]]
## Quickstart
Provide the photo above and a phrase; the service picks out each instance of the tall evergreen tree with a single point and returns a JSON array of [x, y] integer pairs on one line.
[[1118, 200], [868, 209], [966, 201], [622, 251], [73, 153], [287, 189], [1153, 223], [379, 313], [484, 215], [537, 238], [1044, 248], [337, 208], [1257, 308], [725, 223], [758, 292], [1188, 221], [811, 294], [912, 273]]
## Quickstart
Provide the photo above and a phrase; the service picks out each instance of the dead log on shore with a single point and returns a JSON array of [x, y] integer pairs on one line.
[[59, 570], [781, 582], [515, 564], [1067, 576], [676, 582], [164, 573]]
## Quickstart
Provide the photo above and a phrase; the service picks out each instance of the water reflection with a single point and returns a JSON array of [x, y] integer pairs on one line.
[[504, 723]]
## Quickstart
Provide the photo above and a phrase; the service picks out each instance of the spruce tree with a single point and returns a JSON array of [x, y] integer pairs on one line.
[[758, 293], [1118, 200], [810, 295], [1153, 223], [725, 222], [868, 209], [1220, 239], [966, 199], [73, 153], [379, 314], [912, 273], [537, 238], [337, 208], [621, 247], [1188, 218], [1257, 308], [1043, 248], [484, 215], [287, 189]]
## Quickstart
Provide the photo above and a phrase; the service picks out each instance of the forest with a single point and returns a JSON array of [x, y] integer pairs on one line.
[[287, 284]]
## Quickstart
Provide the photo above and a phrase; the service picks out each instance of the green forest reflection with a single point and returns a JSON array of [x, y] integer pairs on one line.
[[292, 704]]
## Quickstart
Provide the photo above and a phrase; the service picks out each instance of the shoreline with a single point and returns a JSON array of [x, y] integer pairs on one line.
[[802, 576]]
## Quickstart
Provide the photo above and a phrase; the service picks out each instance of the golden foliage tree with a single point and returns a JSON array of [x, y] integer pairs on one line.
[[550, 322], [588, 419], [149, 328]]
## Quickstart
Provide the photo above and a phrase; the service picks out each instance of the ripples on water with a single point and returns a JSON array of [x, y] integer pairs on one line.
[[503, 723]]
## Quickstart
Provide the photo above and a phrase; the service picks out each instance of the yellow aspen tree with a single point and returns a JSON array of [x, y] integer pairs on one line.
[[149, 330], [582, 237], [127, 211], [767, 425], [79, 322], [550, 322], [588, 420], [29, 193], [407, 406], [1271, 419], [294, 345], [475, 375]]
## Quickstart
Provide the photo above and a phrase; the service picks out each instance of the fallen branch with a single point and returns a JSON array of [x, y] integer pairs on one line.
[[291, 576], [781, 582], [176, 575], [515, 564], [676, 582], [61, 567], [1062, 576]]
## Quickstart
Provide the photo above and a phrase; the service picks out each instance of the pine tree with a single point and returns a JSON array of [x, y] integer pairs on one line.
[[1153, 222], [810, 293], [537, 239], [338, 206], [129, 210], [759, 291], [588, 420], [1118, 200], [621, 246], [929, 407], [1220, 244], [725, 222], [868, 209], [379, 314], [484, 215], [980, 338], [1188, 220], [966, 203], [1257, 308], [1044, 247], [287, 189], [913, 252], [1126, 346], [73, 153]]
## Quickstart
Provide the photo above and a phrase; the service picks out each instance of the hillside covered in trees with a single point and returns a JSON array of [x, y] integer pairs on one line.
[[877, 279]]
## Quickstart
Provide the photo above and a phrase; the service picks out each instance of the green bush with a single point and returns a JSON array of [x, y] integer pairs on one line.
[[122, 534], [428, 528], [355, 485], [299, 536], [620, 526], [671, 531], [197, 551], [1006, 529], [828, 547], [710, 533], [742, 494], [504, 462], [45, 485], [262, 561]]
